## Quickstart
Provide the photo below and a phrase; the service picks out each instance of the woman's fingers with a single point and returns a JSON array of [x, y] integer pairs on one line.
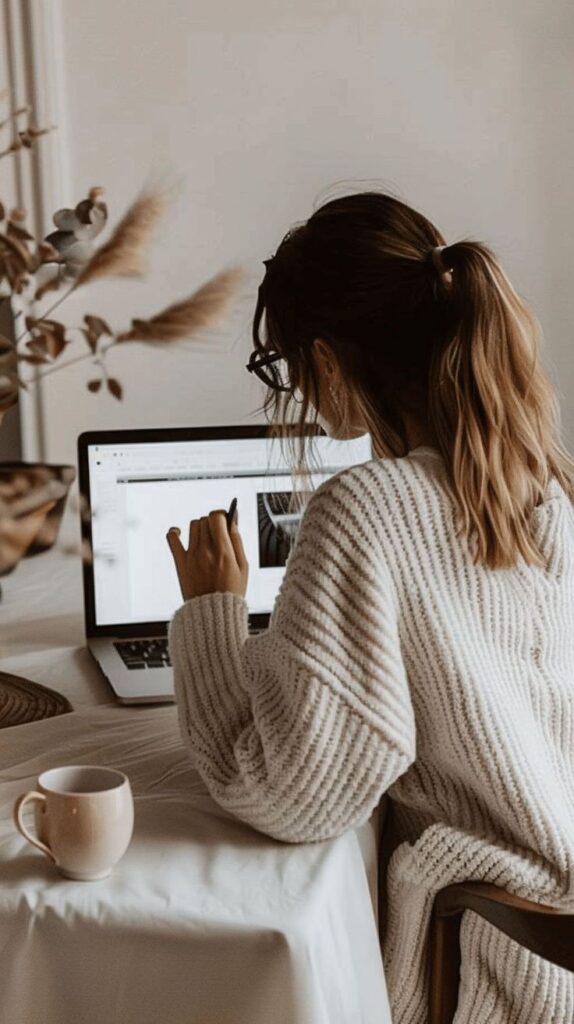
[[217, 523], [215, 561], [193, 543], [227, 539], [179, 555], [237, 544], [175, 545], [203, 535]]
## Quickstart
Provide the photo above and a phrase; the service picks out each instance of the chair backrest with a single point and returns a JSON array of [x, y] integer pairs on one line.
[[546, 931], [385, 850]]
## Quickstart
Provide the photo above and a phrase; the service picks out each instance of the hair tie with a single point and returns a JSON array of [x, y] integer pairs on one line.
[[437, 259]]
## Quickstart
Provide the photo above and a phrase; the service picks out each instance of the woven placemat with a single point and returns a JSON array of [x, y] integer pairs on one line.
[[23, 701]]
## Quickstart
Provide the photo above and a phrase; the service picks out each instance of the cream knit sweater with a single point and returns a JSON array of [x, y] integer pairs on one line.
[[392, 663]]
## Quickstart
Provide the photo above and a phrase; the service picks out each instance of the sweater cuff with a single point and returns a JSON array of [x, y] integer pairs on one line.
[[227, 608], [206, 637]]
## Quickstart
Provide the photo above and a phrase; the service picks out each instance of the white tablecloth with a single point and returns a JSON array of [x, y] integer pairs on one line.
[[204, 921]]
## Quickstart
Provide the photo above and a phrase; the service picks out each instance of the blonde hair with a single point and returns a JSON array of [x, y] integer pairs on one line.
[[457, 349]]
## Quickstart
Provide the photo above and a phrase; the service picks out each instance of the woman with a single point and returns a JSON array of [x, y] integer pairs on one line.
[[422, 643]]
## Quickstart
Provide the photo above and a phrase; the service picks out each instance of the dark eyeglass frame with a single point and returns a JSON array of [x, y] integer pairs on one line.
[[258, 362]]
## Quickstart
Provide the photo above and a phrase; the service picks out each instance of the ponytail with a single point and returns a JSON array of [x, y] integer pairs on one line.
[[493, 411]]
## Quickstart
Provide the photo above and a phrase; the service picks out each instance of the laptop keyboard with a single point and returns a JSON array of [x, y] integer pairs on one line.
[[144, 653]]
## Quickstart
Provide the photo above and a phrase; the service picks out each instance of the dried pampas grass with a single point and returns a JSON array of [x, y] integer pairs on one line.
[[183, 319], [123, 254]]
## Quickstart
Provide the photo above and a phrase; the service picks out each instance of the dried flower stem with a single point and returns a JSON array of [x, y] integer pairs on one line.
[[46, 314], [72, 362], [11, 117]]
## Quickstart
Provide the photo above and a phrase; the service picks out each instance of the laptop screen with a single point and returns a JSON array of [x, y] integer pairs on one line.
[[139, 489]]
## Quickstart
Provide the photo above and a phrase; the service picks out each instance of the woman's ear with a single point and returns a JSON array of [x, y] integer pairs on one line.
[[324, 357]]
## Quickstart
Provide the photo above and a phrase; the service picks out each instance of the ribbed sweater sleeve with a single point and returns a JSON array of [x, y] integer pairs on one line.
[[299, 730]]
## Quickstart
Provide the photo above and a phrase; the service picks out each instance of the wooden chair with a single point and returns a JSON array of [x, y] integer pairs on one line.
[[545, 931]]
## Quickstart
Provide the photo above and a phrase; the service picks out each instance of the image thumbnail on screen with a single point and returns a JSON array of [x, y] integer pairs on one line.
[[278, 523]]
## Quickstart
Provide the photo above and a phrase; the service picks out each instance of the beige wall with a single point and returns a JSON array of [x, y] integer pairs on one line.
[[253, 108]]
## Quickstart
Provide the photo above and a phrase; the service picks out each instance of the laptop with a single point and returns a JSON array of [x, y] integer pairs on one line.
[[135, 484]]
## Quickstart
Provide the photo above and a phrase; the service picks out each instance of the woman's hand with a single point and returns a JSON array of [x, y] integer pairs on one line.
[[214, 561]]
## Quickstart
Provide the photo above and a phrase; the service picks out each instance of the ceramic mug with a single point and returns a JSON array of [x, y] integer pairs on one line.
[[84, 819]]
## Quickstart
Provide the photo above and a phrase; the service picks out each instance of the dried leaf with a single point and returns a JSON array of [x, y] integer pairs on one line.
[[95, 328], [8, 355], [9, 390], [49, 337], [122, 254], [12, 148], [115, 388], [35, 132], [15, 262], [38, 350], [54, 344], [34, 360], [45, 253], [183, 319], [94, 385], [96, 323], [43, 324], [90, 340], [92, 219], [17, 277], [76, 230], [16, 249], [15, 231], [86, 221], [52, 284], [29, 134], [65, 219], [72, 250]]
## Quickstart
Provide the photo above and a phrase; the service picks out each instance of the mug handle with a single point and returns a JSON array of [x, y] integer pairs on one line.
[[18, 821]]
